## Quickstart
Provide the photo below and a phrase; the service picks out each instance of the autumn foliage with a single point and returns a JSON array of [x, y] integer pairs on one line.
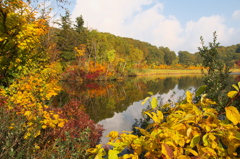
[[187, 130], [30, 78]]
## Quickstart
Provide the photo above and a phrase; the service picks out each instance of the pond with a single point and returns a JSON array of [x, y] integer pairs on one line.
[[116, 104]]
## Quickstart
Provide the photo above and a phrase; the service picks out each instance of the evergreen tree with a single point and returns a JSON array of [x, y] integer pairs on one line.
[[216, 76]]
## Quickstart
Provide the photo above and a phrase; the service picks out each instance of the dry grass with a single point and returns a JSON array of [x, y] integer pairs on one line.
[[165, 72], [169, 72]]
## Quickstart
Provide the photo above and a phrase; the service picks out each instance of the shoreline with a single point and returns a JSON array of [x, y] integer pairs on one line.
[[147, 72]]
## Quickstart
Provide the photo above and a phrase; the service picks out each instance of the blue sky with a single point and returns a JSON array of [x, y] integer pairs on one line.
[[177, 24], [186, 10]]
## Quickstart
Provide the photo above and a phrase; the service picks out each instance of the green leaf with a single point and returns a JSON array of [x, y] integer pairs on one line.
[[201, 90], [154, 102], [238, 84], [235, 86], [195, 141], [232, 94]]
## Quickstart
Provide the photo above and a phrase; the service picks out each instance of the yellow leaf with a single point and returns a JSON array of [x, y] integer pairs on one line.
[[167, 151], [145, 100], [183, 157], [178, 127], [113, 134], [192, 151], [236, 87], [189, 97], [209, 151], [205, 140], [127, 156], [61, 124], [154, 102], [189, 130], [113, 154], [27, 113], [232, 114], [232, 94], [157, 118], [143, 131]]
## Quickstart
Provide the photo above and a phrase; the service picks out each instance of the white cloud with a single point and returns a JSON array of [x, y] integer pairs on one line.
[[205, 27], [236, 15], [132, 19]]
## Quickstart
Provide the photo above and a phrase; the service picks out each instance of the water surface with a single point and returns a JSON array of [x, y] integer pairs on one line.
[[116, 104]]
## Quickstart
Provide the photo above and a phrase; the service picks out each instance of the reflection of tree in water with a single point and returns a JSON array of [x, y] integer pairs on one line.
[[102, 99], [155, 85], [189, 81], [169, 84]]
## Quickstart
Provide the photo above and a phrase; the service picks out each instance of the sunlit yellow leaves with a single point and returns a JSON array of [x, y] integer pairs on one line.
[[113, 154], [209, 151], [143, 131], [129, 156], [232, 114], [206, 101], [113, 135], [154, 102], [99, 151], [20, 31], [188, 150], [189, 130], [137, 148], [145, 100], [167, 151], [80, 51], [156, 117], [189, 96], [28, 96], [232, 94], [27, 135], [27, 113], [183, 157]]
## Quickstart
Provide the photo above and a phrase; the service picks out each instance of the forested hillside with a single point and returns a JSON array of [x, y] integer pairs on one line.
[[76, 44]]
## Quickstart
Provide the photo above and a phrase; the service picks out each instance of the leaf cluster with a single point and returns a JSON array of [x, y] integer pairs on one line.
[[187, 130]]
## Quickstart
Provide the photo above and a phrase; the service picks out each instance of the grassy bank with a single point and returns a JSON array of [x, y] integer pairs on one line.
[[145, 72], [162, 71]]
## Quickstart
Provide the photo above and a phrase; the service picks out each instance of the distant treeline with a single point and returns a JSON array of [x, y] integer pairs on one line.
[[106, 48]]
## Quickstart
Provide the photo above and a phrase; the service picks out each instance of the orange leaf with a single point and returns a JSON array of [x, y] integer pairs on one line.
[[167, 151]]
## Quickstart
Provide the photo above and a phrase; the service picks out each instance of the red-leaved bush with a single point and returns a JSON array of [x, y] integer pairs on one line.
[[78, 121]]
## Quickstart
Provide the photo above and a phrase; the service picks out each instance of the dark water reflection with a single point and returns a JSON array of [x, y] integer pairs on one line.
[[116, 104]]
